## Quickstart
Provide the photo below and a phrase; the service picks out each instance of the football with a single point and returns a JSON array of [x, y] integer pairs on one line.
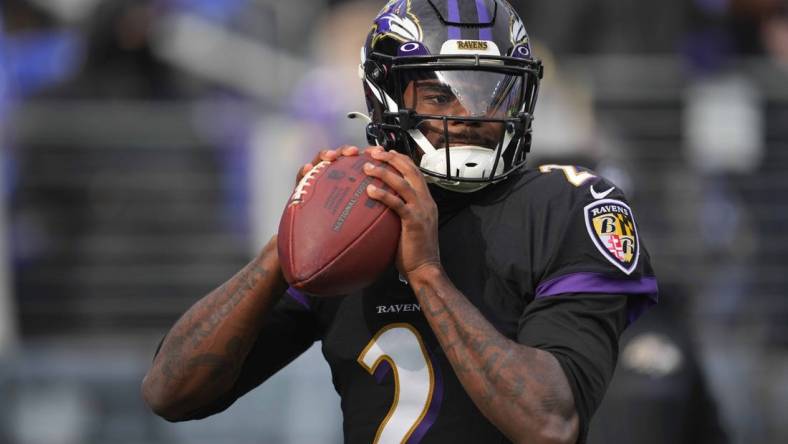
[[333, 238]]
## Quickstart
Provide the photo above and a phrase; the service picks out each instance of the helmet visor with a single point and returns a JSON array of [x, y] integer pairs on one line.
[[463, 93]]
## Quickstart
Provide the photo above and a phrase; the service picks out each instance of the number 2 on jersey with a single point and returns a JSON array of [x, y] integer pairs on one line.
[[414, 379]]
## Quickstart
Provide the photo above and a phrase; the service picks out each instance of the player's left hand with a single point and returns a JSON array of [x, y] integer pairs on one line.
[[418, 244]]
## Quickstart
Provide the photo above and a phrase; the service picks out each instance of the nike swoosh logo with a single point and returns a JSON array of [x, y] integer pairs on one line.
[[601, 195]]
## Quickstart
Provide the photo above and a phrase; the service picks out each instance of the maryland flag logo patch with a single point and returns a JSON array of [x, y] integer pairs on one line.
[[611, 225]]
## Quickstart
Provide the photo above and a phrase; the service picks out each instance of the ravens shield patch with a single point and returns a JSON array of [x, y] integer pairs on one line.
[[611, 225]]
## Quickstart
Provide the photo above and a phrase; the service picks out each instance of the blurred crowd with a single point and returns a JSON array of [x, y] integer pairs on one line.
[[148, 146]]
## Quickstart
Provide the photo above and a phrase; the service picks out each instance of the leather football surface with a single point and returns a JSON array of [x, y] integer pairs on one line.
[[333, 238]]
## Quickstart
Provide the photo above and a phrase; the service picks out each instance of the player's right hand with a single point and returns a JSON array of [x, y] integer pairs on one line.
[[328, 155]]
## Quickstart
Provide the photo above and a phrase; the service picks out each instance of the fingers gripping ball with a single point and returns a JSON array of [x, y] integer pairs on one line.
[[333, 238]]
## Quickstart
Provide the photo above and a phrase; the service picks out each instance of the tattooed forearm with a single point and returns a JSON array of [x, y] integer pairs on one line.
[[230, 295], [221, 365], [203, 353], [518, 388], [202, 322]]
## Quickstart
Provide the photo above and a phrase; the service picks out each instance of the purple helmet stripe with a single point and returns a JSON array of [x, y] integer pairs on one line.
[[484, 17], [454, 17]]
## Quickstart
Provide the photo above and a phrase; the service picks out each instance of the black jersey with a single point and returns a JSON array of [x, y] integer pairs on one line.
[[550, 257]]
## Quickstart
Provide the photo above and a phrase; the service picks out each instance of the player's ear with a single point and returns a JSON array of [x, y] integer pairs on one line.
[[409, 95]]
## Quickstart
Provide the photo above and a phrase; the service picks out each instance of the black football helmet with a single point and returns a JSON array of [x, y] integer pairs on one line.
[[453, 84]]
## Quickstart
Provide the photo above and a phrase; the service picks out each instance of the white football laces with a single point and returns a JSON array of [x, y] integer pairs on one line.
[[300, 189]]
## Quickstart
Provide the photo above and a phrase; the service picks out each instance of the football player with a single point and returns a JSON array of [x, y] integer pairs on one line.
[[500, 319]]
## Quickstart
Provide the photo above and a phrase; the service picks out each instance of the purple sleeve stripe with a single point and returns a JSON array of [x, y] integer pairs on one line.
[[597, 283], [299, 297]]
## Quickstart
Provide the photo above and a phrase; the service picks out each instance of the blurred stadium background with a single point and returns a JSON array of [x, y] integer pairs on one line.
[[149, 145]]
